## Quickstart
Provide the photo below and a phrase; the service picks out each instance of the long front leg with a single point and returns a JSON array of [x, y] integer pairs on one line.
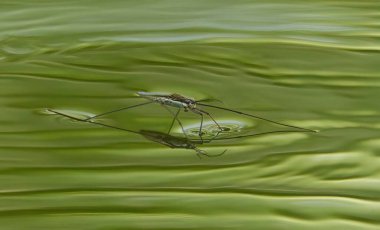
[[117, 110]]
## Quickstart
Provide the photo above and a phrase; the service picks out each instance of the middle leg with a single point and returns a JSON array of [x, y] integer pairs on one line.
[[176, 118]]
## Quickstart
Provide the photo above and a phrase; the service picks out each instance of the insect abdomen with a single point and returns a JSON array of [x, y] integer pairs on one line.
[[170, 102]]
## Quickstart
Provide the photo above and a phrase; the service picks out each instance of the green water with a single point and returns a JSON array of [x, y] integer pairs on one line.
[[310, 64]]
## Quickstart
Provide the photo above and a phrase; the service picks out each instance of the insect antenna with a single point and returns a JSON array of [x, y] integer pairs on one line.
[[258, 117], [120, 109]]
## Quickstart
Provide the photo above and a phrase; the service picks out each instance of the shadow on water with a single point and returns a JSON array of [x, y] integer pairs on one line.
[[175, 141]]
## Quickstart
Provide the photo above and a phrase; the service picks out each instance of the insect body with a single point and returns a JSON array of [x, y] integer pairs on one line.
[[179, 102], [174, 100]]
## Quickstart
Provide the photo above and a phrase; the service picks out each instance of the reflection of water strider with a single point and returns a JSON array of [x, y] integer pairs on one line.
[[188, 104], [159, 137], [172, 141]]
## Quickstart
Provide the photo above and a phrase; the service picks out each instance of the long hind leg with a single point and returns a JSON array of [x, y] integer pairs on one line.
[[217, 124]]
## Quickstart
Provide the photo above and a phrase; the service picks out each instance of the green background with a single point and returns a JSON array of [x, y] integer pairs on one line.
[[313, 64]]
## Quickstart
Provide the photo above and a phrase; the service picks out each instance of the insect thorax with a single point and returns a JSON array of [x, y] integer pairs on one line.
[[190, 103]]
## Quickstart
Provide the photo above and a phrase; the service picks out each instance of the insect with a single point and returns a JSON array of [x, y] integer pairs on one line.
[[172, 141], [188, 104]]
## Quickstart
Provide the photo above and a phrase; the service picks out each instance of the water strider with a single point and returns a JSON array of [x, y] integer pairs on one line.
[[173, 141], [188, 104]]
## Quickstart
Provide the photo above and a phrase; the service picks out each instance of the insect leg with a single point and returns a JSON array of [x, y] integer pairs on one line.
[[204, 153], [66, 115], [200, 128], [117, 110], [174, 119], [208, 114], [258, 117], [209, 100], [91, 122]]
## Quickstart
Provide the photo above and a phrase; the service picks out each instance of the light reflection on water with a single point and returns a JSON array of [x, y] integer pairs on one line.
[[210, 129]]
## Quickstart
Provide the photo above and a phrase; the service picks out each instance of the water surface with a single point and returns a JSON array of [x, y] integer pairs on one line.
[[313, 65]]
